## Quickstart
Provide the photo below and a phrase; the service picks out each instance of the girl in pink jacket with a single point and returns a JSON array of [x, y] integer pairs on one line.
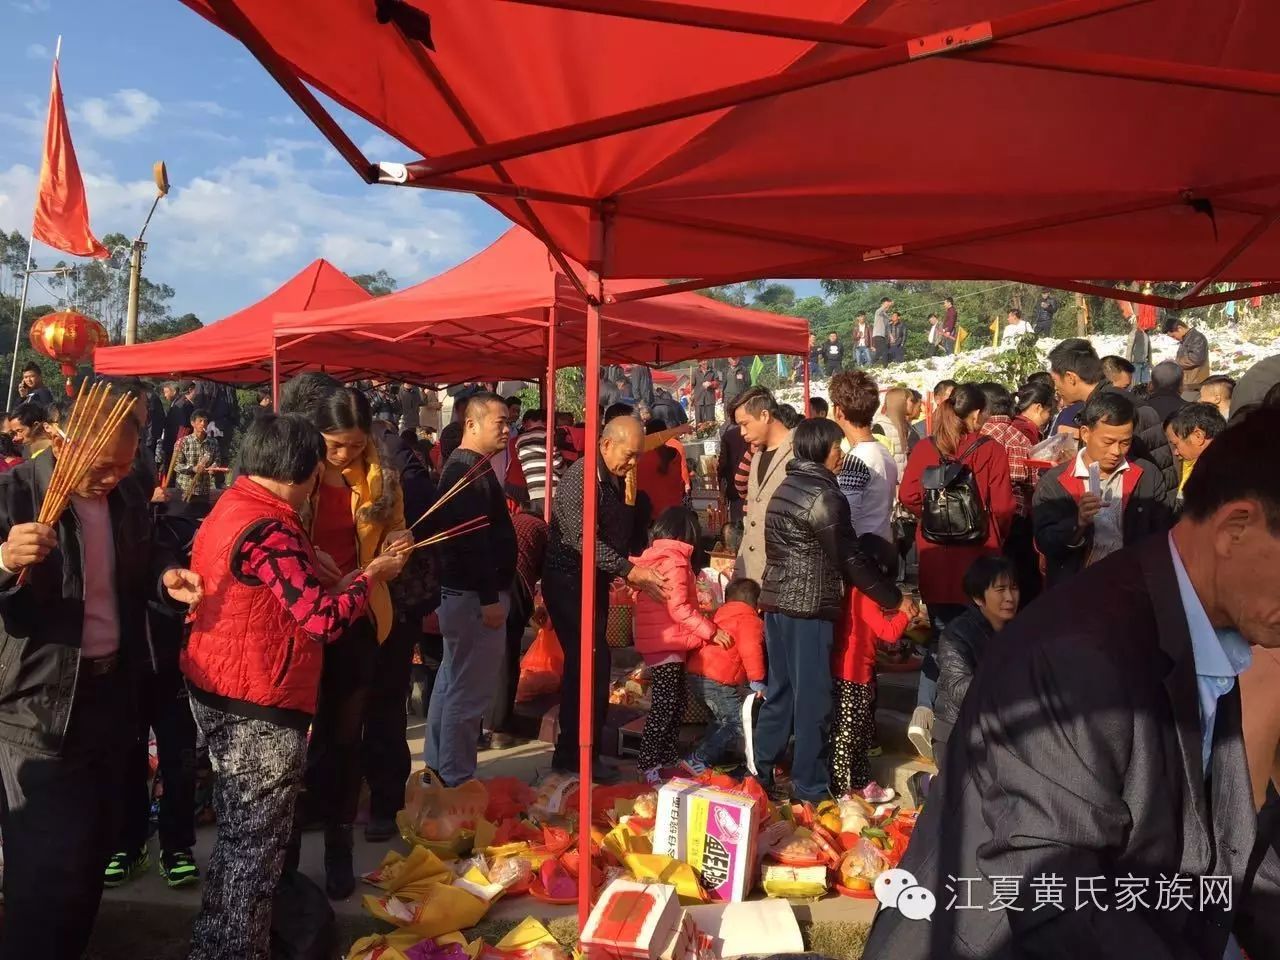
[[666, 632]]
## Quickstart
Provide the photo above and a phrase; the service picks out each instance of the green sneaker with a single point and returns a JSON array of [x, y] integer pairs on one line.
[[179, 869], [123, 867]]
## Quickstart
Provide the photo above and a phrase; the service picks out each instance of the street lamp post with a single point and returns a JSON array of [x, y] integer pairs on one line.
[[161, 176]]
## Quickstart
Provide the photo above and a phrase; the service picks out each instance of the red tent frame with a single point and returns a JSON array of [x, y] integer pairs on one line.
[[482, 168], [434, 331]]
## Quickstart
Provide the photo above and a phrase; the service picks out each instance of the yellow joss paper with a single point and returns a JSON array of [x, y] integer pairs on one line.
[[485, 832], [408, 877], [383, 946], [662, 869], [444, 909], [528, 934], [476, 883], [622, 841]]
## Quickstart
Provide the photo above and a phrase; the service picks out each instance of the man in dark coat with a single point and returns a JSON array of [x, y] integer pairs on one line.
[[177, 421], [1045, 309], [1076, 525], [666, 408], [705, 385], [737, 381], [73, 600], [641, 382], [1192, 357], [1099, 753]]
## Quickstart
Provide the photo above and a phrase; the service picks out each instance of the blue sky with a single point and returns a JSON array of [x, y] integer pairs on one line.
[[257, 192]]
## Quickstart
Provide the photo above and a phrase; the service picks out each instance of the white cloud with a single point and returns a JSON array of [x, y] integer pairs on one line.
[[121, 115], [221, 237], [30, 6], [381, 147], [208, 108], [37, 51]]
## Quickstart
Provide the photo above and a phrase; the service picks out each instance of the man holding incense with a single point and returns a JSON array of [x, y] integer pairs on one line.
[[476, 573], [73, 598]]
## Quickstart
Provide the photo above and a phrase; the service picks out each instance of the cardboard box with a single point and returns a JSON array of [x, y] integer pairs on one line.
[[759, 928], [712, 830], [632, 921]]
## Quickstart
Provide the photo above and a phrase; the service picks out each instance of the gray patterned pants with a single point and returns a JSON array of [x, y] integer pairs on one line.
[[258, 770]]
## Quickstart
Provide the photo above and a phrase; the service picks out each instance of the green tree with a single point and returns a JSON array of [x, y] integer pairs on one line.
[[167, 327], [377, 284]]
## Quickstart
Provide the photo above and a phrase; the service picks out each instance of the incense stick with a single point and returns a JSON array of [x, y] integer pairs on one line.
[[467, 526], [80, 450], [474, 471]]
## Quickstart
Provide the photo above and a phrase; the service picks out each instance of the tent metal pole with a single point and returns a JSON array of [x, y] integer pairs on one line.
[[275, 373], [850, 35], [1264, 224], [232, 19], [17, 322], [1240, 293], [807, 384], [460, 113], [549, 405], [590, 508]]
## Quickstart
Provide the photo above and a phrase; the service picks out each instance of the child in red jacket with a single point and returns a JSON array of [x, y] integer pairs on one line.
[[853, 720], [666, 632], [717, 674]]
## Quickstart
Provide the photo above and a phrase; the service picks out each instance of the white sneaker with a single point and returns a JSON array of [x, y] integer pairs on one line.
[[874, 794], [918, 732]]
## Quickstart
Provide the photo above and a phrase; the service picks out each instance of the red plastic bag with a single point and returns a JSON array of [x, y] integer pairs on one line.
[[748, 785], [509, 798], [542, 667]]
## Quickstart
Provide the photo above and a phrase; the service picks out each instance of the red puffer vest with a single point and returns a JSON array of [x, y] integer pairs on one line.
[[243, 645]]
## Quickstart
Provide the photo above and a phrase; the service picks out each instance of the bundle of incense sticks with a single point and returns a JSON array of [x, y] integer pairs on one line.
[[467, 526], [476, 470], [173, 463], [86, 434]]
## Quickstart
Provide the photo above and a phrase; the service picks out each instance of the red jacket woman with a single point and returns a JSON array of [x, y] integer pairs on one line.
[[956, 437]]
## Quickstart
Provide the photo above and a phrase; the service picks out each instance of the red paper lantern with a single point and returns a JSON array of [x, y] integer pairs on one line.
[[67, 337]]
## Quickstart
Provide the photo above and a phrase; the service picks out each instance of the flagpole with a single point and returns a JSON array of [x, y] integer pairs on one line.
[[17, 325], [26, 279]]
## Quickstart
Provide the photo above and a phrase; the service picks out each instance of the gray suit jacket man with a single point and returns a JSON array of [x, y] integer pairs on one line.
[[1077, 755], [759, 492]]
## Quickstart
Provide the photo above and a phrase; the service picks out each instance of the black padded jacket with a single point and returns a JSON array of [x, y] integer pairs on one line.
[[811, 553]]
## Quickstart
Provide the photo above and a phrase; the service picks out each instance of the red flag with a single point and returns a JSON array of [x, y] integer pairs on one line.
[[62, 212]]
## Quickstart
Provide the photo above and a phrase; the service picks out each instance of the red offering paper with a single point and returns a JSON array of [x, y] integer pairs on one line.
[[631, 921]]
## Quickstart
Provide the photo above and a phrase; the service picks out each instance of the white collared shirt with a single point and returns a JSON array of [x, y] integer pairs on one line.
[[1108, 525]]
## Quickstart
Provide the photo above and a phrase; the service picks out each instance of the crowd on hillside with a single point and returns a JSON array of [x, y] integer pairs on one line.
[[273, 613]]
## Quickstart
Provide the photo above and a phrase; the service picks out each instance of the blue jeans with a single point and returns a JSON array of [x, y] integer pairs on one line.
[[862, 356], [725, 729], [940, 614], [797, 700], [1141, 373], [465, 684]]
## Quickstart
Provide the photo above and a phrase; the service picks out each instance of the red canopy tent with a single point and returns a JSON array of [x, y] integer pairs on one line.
[[1072, 140], [511, 313], [1076, 140], [237, 348]]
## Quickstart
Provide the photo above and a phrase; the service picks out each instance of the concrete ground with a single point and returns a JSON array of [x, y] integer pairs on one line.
[[147, 919]]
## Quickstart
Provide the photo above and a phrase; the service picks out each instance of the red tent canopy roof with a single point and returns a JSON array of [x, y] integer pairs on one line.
[[488, 316], [722, 139], [237, 348]]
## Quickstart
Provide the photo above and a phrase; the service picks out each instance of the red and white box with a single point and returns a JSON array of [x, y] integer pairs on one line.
[[632, 921]]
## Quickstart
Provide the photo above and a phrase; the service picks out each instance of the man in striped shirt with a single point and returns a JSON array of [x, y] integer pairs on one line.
[[531, 452]]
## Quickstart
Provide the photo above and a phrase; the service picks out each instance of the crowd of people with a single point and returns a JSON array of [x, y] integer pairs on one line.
[[273, 612]]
